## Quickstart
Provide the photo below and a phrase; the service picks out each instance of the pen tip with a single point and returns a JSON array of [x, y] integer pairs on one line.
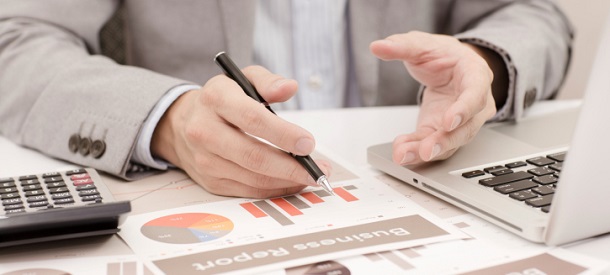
[[323, 182]]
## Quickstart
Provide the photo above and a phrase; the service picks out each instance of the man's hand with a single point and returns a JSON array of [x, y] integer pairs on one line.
[[457, 99], [207, 133]]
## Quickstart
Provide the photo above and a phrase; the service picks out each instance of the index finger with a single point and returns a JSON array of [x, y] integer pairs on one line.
[[413, 47], [245, 113]]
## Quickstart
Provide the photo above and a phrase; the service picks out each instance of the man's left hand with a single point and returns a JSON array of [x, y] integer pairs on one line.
[[457, 99]]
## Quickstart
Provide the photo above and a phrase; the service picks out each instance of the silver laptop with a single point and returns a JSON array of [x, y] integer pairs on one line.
[[517, 175]]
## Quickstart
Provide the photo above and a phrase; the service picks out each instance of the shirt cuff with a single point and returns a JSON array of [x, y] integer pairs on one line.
[[142, 154]]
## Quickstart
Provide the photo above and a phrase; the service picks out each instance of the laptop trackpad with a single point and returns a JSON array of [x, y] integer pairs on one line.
[[545, 131]]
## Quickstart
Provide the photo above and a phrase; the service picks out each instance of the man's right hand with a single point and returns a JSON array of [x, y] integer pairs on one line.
[[204, 133]]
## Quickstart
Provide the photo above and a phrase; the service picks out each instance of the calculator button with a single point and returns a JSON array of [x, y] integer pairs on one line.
[[8, 190], [15, 211], [29, 181], [85, 187], [58, 190], [34, 193], [92, 198], [2, 180], [32, 187], [88, 192], [11, 201], [57, 196], [82, 182], [7, 184], [28, 177], [36, 198], [80, 177], [53, 179], [98, 200], [64, 201], [76, 171], [56, 184], [9, 196], [39, 204], [13, 206], [51, 174]]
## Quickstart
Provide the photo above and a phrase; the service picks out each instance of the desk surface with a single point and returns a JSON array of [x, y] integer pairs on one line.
[[361, 127]]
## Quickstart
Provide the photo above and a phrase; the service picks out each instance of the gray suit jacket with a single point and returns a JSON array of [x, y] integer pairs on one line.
[[55, 82]]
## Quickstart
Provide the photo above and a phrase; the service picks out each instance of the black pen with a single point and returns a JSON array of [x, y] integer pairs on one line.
[[233, 72]]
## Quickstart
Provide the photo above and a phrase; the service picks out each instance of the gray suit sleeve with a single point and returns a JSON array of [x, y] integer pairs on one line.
[[533, 37], [54, 84]]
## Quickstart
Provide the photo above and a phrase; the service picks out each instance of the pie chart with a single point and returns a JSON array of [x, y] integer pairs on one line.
[[187, 228]]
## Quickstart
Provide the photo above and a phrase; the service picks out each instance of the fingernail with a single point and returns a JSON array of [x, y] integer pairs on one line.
[[409, 157], [386, 42], [456, 122], [435, 151], [279, 83], [304, 146]]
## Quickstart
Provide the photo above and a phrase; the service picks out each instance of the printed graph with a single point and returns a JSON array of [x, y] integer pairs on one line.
[[127, 268], [294, 205], [187, 228], [322, 268]]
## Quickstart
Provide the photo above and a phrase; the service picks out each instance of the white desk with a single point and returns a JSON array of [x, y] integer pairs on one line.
[[347, 132]]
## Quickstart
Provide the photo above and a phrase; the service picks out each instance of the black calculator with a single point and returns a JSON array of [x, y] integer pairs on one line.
[[57, 205]]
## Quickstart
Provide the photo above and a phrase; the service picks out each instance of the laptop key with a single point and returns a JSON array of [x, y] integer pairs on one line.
[[515, 164], [541, 171], [557, 166], [540, 161], [493, 168], [473, 174], [544, 190], [515, 186], [560, 157], [547, 179], [503, 179], [522, 195], [501, 172], [540, 201]]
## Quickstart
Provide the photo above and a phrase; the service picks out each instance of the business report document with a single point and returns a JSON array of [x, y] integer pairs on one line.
[[259, 235]]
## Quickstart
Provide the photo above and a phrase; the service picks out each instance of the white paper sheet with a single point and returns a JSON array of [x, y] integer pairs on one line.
[[256, 235]]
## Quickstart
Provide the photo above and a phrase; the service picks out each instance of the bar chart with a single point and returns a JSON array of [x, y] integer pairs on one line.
[[295, 205], [127, 268]]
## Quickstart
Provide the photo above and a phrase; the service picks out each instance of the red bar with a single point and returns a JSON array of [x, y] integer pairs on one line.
[[255, 211], [311, 197], [289, 208], [347, 196]]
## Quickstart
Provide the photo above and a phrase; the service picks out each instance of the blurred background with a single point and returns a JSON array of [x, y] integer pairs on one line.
[[588, 18]]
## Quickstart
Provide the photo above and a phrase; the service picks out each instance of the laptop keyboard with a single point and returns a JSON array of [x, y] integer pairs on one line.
[[531, 181]]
